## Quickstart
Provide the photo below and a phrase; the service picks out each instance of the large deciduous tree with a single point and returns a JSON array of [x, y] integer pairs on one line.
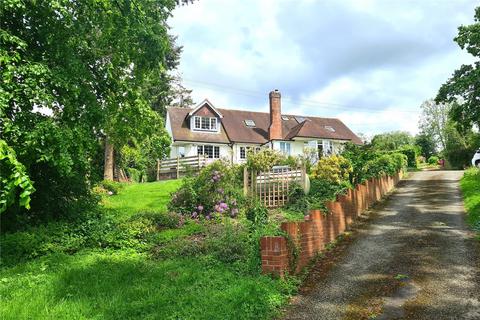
[[74, 77], [463, 88], [434, 120]]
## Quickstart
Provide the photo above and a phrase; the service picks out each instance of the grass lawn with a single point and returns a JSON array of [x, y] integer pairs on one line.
[[470, 185], [142, 197], [128, 285], [132, 284]]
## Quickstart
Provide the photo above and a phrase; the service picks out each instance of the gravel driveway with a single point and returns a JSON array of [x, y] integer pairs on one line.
[[415, 259]]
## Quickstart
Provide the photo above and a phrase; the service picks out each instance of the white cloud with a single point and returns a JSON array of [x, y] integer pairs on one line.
[[382, 121], [369, 62]]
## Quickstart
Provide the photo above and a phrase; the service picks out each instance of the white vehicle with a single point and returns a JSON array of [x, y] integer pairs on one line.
[[476, 159]]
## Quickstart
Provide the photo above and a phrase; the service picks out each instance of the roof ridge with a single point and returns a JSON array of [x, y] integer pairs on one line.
[[243, 110], [283, 114]]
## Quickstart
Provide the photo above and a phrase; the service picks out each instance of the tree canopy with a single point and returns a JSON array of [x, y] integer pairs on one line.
[[74, 72], [434, 120], [463, 88], [392, 140], [426, 143]]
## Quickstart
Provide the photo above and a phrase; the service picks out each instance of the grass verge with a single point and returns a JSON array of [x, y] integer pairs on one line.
[[470, 185]]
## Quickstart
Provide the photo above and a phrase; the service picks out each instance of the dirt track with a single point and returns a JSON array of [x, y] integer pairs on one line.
[[415, 259]]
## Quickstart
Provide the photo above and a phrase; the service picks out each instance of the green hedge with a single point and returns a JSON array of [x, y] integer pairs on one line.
[[412, 153]]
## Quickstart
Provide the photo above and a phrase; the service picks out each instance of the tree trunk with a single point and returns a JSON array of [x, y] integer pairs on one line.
[[109, 163]]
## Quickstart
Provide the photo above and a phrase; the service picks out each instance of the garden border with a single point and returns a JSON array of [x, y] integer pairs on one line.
[[311, 236]]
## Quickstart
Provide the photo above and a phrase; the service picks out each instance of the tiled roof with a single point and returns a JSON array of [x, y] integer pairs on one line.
[[235, 129]]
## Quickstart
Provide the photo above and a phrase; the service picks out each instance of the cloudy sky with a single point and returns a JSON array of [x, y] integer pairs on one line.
[[369, 63]]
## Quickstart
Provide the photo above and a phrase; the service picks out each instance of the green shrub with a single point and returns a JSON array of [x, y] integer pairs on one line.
[[135, 175], [182, 247], [93, 230], [297, 200], [334, 169], [358, 157], [185, 200], [323, 190], [228, 242], [255, 211], [412, 153], [265, 159], [433, 160], [111, 186], [291, 161], [161, 220], [386, 164], [400, 162]]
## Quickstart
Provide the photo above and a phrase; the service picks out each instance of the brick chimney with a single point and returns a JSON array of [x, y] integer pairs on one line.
[[275, 129]]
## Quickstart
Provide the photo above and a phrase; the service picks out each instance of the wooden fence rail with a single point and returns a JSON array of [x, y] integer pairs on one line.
[[272, 187], [176, 167]]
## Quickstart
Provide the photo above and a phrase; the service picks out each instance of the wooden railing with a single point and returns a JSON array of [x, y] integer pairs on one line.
[[272, 187], [176, 167]]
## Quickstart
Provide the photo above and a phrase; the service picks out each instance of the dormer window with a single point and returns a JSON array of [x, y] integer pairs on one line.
[[205, 123]]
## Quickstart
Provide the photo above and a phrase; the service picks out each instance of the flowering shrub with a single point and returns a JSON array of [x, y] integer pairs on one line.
[[334, 169], [214, 192]]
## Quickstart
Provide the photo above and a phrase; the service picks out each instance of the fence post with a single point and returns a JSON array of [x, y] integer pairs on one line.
[[198, 163], [303, 177], [158, 169], [245, 181], [178, 166]]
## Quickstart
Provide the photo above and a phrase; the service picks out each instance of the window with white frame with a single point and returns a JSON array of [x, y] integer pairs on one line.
[[205, 123], [212, 152], [244, 150], [325, 148], [285, 148]]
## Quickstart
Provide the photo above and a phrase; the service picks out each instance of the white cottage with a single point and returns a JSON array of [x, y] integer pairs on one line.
[[229, 134]]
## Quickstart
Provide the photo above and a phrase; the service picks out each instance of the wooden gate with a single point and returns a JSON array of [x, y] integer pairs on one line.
[[272, 187]]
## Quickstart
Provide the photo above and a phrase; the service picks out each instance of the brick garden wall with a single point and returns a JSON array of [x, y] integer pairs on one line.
[[310, 237]]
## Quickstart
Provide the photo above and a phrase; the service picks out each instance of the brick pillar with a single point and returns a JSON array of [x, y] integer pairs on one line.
[[274, 253]]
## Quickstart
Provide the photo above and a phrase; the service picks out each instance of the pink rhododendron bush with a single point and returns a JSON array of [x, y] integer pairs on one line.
[[215, 192]]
